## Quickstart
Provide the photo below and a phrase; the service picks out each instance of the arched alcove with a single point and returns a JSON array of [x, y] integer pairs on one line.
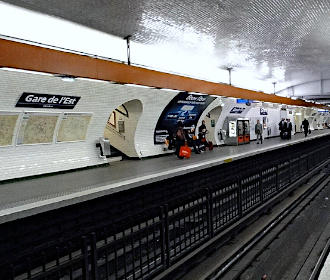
[[121, 126], [211, 119]]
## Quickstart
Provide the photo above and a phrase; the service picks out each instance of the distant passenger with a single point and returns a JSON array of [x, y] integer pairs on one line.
[[202, 136], [258, 131], [179, 139], [305, 125], [282, 126], [289, 128], [202, 128]]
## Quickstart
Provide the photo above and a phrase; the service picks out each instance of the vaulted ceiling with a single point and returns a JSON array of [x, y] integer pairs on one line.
[[281, 41]]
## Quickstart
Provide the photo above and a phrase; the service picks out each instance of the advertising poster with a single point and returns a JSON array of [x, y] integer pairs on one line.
[[185, 107]]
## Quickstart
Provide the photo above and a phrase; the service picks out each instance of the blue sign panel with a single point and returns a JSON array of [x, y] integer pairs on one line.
[[242, 101]]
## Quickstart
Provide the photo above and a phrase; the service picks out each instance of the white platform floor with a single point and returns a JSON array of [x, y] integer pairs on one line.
[[325, 272], [31, 196]]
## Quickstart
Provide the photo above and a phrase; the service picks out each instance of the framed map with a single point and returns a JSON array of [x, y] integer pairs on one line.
[[73, 127], [37, 128], [7, 127]]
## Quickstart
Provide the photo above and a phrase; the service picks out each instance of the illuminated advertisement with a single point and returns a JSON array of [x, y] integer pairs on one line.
[[232, 129], [185, 107]]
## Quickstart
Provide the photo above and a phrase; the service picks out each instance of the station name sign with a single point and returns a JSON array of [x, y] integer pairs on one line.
[[40, 100]]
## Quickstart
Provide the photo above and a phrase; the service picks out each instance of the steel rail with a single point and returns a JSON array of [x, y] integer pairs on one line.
[[221, 271]]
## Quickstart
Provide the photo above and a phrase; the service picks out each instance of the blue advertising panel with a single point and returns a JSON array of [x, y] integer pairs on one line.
[[185, 107]]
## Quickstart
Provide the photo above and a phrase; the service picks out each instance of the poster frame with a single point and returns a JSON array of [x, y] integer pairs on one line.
[[16, 128], [60, 121]]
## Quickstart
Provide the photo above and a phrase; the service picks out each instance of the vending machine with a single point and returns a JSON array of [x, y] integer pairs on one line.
[[238, 131]]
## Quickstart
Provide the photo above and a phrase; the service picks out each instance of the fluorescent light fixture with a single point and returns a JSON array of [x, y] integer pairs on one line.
[[138, 86], [169, 89], [25, 71], [197, 93], [68, 79], [298, 114], [93, 80]]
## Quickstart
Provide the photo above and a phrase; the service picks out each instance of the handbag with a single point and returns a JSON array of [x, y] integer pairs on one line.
[[185, 151]]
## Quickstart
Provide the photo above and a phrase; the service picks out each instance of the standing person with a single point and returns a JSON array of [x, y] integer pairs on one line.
[[202, 128], [281, 127], [305, 125], [202, 136], [180, 139], [258, 131], [289, 128]]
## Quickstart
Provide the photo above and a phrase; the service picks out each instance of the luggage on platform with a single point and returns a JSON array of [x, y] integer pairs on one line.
[[210, 145], [185, 151]]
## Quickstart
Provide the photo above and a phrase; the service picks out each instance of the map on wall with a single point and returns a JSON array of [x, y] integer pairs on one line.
[[73, 127], [7, 126], [37, 128]]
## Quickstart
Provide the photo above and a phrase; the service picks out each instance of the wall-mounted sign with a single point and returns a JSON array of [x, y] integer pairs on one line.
[[7, 127], [73, 127], [232, 129], [263, 111], [185, 107], [37, 128], [236, 110], [212, 123], [242, 100], [245, 101], [40, 100]]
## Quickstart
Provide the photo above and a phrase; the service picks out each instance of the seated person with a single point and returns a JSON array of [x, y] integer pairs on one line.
[[170, 140], [192, 139]]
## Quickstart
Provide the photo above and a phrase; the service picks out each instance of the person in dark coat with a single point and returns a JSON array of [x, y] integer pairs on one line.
[[289, 128], [179, 138], [202, 136], [281, 127], [305, 125], [258, 131]]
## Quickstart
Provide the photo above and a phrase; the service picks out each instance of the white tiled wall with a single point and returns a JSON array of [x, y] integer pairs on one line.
[[98, 98]]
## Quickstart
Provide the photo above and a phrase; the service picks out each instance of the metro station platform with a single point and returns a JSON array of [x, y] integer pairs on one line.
[[30, 196]]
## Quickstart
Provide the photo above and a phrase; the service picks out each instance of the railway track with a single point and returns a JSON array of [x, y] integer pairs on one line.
[[271, 251]]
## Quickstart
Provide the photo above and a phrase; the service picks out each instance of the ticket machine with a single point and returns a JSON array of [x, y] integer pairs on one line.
[[238, 131]]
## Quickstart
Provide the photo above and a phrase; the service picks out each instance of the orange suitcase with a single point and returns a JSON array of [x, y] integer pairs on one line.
[[185, 151]]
